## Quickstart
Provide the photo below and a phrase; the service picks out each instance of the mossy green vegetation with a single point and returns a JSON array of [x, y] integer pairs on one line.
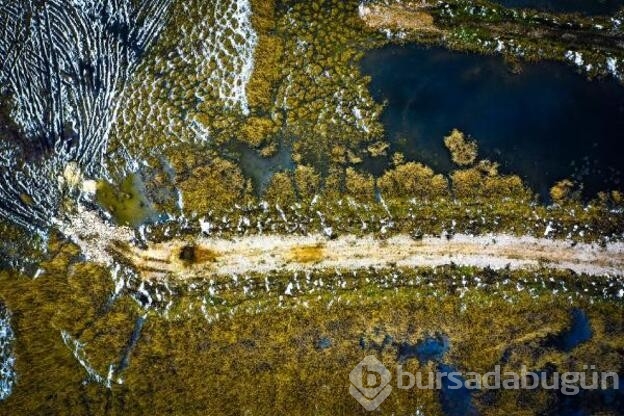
[[18, 252], [281, 189], [409, 198], [324, 99], [218, 183], [562, 191], [359, 185], [463, 151], [307, 181], [412, 180], [269, 56], [305, 83]]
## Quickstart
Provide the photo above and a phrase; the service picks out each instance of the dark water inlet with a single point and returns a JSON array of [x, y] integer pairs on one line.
[[579, 332], [591, 402], [545, 124], [455, 397], [589, 7], [455, 401], [429, 349], [134, 339]]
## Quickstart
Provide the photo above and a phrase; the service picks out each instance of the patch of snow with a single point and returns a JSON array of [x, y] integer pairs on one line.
[[7, 359], [575, 57], [77, 349], [612, 66]]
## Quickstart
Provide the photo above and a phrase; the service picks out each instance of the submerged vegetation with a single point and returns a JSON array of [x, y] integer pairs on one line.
[[464, 152]]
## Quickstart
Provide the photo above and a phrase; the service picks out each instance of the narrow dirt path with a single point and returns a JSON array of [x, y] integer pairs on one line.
[[264, 253]]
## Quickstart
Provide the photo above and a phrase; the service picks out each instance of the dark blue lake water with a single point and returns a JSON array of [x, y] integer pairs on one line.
[[429, 349], [579, 332], [592, 7], [455, 401], [545, 124]]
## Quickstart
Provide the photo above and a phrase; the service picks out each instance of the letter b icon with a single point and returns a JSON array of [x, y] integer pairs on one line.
[[370, 383]]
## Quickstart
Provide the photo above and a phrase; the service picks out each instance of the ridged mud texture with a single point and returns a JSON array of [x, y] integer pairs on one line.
[[66, 65]]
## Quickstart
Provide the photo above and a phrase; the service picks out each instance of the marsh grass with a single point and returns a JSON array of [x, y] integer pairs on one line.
[[261, 355], [258, 355]]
